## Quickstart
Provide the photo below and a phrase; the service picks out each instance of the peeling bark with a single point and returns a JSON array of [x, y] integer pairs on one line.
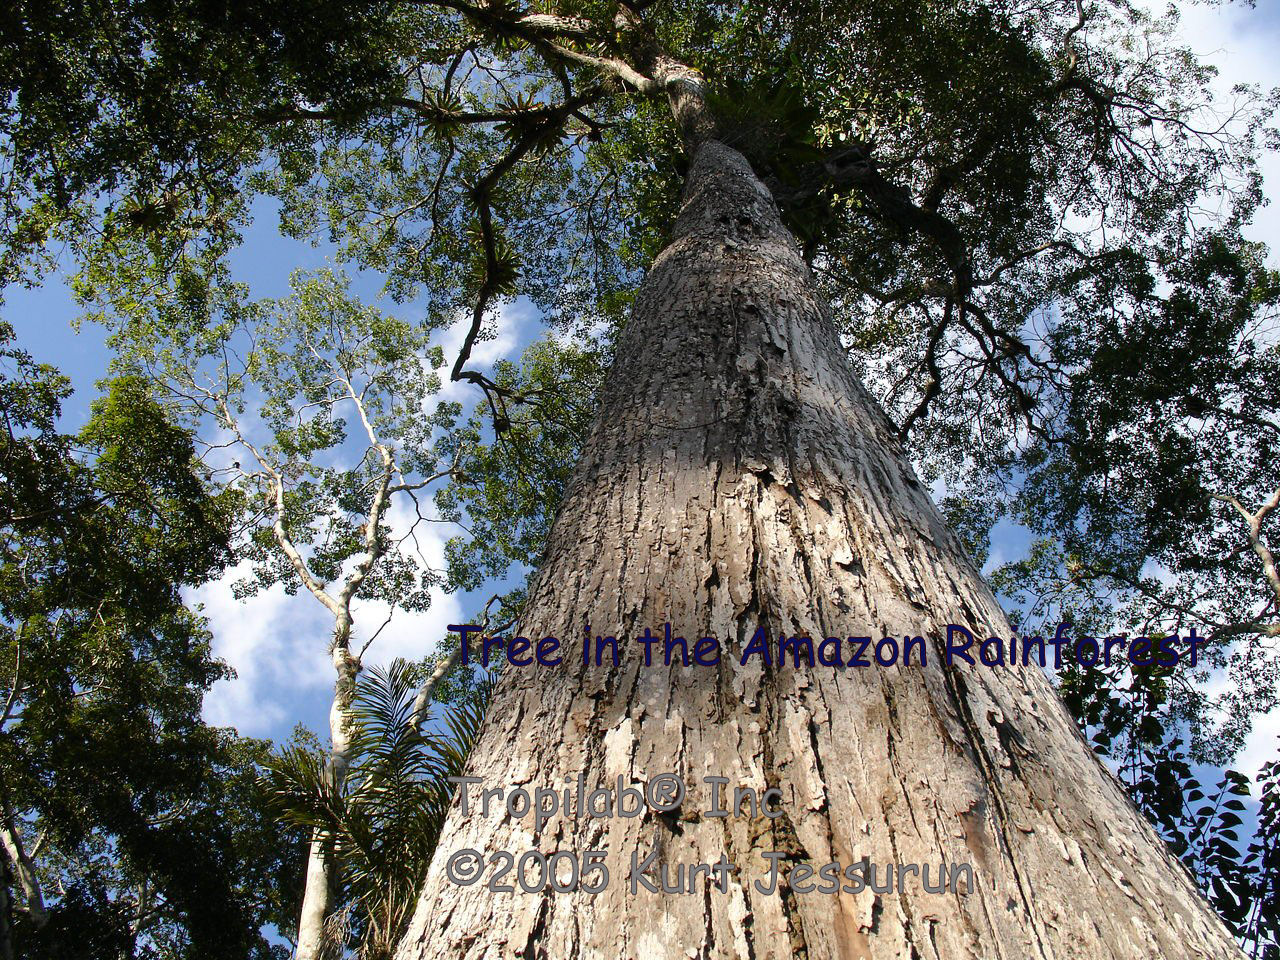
[[740, 475]]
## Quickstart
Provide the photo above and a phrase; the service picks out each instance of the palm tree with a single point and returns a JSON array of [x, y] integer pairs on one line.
[[383, 818]]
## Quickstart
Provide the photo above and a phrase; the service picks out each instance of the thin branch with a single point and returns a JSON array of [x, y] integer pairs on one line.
[[934, 384], [422, 702], [481, 192]]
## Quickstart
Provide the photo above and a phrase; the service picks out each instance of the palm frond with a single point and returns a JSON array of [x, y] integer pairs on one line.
[[301, 790], [386, 817]]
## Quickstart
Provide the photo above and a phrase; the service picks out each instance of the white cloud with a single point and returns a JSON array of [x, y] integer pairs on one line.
[[408, 635], [411, 635], [277, 646]]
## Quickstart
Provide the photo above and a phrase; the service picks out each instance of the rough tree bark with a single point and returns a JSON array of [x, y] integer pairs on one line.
[[6, 938], [740, 475]]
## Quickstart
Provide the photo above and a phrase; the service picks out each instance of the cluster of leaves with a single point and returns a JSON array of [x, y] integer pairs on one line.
[[512, 471], [1123, 711], [382, 822], [302, 409], [145, 827]]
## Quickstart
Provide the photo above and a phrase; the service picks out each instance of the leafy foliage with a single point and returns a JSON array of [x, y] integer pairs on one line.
[[148, 823], [1261, 924], [1124, 714], [154, 105], [512, 470], [1028, 219], [382, 822]]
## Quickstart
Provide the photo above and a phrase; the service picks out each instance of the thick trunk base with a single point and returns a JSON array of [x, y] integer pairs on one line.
[[739, 475]]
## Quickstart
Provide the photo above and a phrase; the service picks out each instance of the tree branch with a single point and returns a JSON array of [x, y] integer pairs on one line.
[[1254, 523], [490, 285]]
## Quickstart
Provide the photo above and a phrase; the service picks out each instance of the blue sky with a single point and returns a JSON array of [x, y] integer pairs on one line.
[[277, 643]]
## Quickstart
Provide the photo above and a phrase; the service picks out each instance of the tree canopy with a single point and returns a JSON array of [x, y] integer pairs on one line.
[[146, 825], [1029, 219]]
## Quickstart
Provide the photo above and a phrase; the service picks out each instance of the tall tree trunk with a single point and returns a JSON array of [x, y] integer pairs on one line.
[[739, 475], [321, 875], [6, 938]]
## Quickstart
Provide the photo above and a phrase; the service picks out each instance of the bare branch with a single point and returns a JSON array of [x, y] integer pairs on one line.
[[1254, 523]]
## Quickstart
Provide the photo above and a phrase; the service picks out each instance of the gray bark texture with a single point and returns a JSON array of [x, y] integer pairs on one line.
[[739, 475]]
